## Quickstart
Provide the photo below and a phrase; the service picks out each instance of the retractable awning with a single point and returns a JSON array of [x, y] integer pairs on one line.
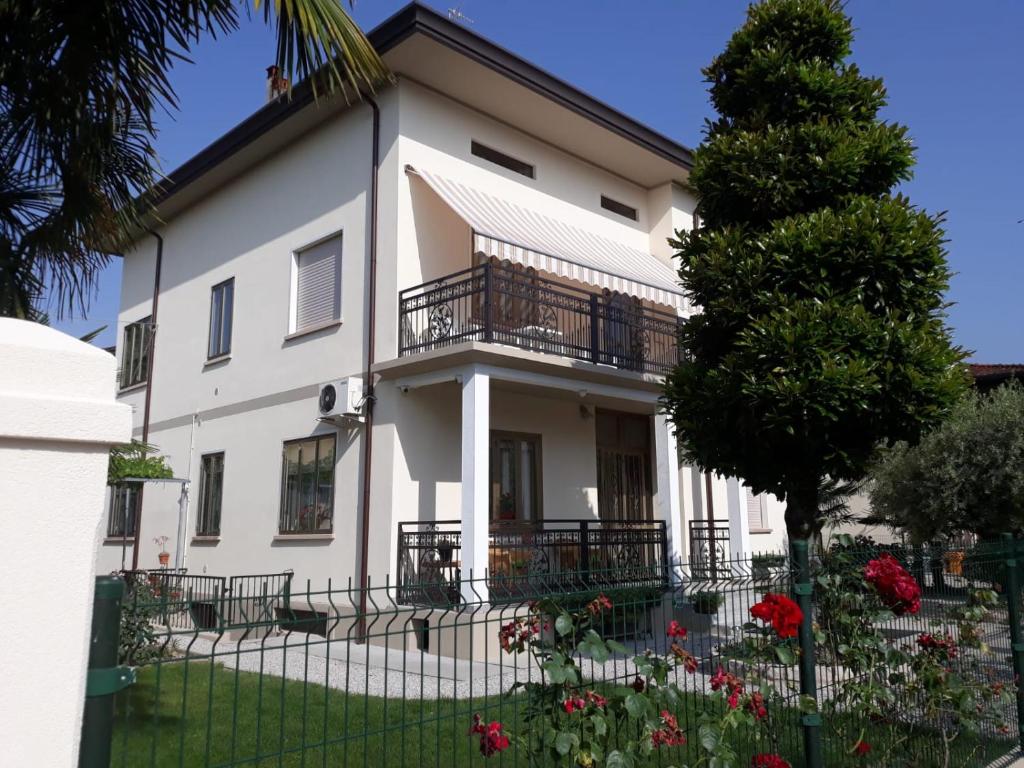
[[510, 231]]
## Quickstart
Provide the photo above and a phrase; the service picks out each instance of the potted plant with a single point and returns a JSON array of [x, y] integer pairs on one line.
[[763, 567], [165, 556], [707, 602]]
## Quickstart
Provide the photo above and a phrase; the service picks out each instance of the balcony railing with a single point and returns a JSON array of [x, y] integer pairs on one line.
[[709, 550], [531, 558], [506, 305]]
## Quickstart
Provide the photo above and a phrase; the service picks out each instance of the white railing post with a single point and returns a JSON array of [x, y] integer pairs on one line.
[[58, 419], [669, 508]]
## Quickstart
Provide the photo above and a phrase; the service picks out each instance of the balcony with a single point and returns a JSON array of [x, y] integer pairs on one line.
[[502, 304], [527, 560]]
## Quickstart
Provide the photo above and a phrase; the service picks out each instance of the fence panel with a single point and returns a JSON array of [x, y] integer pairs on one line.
[[296, 676]]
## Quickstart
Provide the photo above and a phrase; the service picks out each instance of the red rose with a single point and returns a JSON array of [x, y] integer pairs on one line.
[[897, 588], [492, 740], [670, 734], [861, 747], [675, 630], [782, 613], [768, 761]]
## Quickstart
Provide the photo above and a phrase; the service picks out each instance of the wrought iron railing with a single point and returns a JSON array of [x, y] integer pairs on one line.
[[504, 305], [709, 550], [524, 557]]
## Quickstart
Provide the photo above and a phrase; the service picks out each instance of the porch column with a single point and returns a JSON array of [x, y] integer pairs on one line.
[[668, 490], [739, 525], [476, 427]]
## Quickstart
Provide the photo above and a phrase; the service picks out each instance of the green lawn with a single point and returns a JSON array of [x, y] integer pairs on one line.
[[198, 714]]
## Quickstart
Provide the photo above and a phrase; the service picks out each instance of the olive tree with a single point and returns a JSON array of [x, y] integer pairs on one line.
[[821, 331], [966, 475]]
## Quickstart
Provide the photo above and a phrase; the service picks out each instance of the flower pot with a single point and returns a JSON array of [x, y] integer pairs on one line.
[[165, 558], [955, 563]]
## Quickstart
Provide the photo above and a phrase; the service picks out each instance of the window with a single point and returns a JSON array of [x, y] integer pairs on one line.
[[620, 208], [135, 352], [515, 476], [500, 158], [755, 512], [307, 485], [211, 489], [222, 301], [318, 284], [124, 510]]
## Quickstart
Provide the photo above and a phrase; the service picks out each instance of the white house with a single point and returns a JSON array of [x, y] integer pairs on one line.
[[476, 259]]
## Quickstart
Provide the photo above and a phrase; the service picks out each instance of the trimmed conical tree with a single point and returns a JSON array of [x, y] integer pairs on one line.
[[822, 328]]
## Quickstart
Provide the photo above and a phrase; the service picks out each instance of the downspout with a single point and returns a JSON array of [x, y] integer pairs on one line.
[[149, 386], [371, 335]]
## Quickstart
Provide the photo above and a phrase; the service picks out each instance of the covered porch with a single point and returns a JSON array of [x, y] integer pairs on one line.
[[562, 483]]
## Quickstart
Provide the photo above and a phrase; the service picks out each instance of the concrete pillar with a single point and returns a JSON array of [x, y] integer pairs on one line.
[[476, 449], [739, 526], [667, 498], [58, 419]]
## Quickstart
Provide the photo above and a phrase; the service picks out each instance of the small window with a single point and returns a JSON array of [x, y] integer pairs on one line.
[[307, 485], [124, 510], [620, 208], [756, 512], [318, 284], [500, 158], [135, 352], [222, 300], [515, 477], [211, 489]]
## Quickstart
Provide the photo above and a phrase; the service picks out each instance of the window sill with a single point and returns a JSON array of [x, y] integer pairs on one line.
[[206, 539], [119, 540], [212, 361], [132, 388], [313, 329], [304, 537], [759, 531]]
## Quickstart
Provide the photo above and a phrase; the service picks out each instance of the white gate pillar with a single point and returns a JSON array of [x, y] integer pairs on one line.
[[58, 419], [476, 463]]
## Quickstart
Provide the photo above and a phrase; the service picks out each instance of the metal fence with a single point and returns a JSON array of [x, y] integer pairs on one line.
[[308, 680]]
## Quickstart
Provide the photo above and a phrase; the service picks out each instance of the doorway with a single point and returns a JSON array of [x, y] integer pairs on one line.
[[623, 466]]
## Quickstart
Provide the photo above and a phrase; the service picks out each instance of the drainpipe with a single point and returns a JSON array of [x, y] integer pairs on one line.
[[149, 385], [371, 326]]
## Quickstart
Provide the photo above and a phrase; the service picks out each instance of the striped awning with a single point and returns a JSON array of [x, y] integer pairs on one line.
[[510, 231]]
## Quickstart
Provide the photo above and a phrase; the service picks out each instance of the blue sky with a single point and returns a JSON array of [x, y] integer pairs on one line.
[[954, 76]]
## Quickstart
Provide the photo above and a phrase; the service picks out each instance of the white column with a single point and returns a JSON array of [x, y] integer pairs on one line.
[[476, 427], [58, 419], [739, 526], [667, 458]]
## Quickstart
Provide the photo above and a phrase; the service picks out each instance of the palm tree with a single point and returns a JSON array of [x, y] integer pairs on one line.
[[79, 85]]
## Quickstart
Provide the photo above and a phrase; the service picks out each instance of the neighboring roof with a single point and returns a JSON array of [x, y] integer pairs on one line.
[[995, 369], [412, 19]]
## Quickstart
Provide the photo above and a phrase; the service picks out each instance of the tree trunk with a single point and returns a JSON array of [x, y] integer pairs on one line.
[[802, 511]]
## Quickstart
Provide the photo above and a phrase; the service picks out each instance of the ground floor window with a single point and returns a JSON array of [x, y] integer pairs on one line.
[[515, 477], [124, 510], [211, 489], [307, 485]]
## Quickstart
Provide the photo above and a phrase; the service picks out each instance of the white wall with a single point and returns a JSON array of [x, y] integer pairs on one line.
[[57, 422]]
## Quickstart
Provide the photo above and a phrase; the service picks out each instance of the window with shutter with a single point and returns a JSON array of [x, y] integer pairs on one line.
[[318, 284], [755, 511]]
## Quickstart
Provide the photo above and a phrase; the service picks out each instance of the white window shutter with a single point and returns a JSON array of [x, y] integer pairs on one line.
[[755, 518], [318, 291]]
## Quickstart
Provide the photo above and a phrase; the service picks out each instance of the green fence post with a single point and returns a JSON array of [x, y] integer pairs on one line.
[[1013, 615], [803, 589], [104, 677]]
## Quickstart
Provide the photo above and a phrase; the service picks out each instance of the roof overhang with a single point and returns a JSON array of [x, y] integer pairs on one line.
[[422, 45]]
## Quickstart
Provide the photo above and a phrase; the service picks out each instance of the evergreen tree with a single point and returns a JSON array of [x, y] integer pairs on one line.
[[822, 326]]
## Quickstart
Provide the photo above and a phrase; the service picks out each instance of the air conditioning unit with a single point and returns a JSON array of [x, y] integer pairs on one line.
[[342, 399]]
